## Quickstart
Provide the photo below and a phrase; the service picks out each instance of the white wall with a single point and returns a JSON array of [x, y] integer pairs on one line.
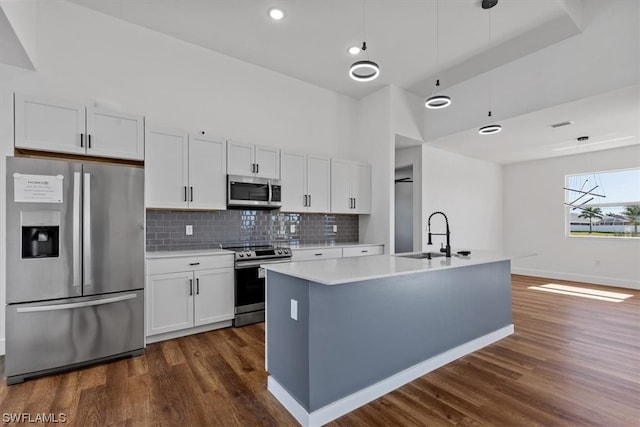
[[535, 222], [375, 145], [469, 192], [86, 56]]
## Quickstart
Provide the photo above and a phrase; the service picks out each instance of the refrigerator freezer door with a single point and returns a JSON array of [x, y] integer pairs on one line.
[[113, 228], [55, 334], [43, 235]]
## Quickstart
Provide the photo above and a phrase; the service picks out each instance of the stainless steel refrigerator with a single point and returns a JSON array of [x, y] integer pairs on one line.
[[75, 265]]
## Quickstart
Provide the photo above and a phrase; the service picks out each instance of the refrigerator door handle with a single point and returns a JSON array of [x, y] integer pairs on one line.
[[86, 227], [77, 248], [69, 306]]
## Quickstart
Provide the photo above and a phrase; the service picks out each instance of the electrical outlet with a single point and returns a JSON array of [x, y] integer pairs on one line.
[[335, 228], [292, 228], [294, 309], [189, 230]]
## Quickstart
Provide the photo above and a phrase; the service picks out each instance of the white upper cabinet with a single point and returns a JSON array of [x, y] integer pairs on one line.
[[318, 183], [184, 171], [114, 134], [207, 173], [293, 172], [305, 182], [350, 187], [166, 168], [252, 160], [48, 124]]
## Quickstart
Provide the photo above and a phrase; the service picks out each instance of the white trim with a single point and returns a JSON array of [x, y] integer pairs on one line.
[[347, 404], [596, 280], [188, 331]]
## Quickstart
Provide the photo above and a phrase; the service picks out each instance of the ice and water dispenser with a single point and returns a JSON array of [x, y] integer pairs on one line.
[[40, 234]]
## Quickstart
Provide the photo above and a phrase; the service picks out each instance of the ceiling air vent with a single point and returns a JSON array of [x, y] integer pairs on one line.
[[559, 125]]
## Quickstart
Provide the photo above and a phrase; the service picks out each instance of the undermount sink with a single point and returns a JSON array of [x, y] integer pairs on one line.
[[427, 255]]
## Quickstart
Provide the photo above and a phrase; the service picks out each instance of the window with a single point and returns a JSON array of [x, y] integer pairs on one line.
[[603, 204]]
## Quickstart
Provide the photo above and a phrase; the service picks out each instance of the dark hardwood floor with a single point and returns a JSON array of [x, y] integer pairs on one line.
[[571, 362]]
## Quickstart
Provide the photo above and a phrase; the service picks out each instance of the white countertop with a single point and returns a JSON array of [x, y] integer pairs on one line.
[[347, 270], [295, 246], [187, 253]]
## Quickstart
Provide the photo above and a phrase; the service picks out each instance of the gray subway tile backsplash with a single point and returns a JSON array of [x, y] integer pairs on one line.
[[166, 229]]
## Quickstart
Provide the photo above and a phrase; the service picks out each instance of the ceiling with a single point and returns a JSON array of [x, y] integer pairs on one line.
[[311, 42], [414, 42]]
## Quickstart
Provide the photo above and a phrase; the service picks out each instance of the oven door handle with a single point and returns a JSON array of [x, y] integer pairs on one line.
[[251, 264]]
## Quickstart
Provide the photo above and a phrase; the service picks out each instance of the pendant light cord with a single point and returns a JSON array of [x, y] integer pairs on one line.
[[364, 30], [437, 46], [491, 72]]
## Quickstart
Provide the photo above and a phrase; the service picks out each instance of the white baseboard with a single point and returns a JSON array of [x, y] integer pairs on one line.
[[189, 331], [347, 404], [596, 280]]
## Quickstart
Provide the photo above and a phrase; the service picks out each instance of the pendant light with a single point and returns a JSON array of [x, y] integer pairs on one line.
[[490, 128], [436, 102], [367, 70]]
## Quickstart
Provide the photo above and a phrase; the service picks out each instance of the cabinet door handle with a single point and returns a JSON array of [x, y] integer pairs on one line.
[[82, 140], [309, 200], [191, 191], [197, 286], [185, 193], [253, 168], [305, 200], [88, 140], [354, 203], [257, 167], [190, 287]]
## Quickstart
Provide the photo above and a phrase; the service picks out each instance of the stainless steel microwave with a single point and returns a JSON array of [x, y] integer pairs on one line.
[[253, 192]]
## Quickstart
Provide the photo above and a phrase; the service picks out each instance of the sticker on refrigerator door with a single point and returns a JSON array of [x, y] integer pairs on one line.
[[37, 188]]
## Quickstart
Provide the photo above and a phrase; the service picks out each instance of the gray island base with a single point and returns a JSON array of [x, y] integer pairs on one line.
[[332, 348]]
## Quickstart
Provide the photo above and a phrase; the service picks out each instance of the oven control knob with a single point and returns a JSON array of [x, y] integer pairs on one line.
[[241, 254], [279, 251], [248, 254], [286, 251]]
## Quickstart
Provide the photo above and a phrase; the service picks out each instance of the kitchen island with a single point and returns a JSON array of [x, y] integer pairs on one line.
[[343, 332]]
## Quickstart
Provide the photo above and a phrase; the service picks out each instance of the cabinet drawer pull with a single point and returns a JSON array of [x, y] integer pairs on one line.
[[194, 263], [364, 251], [318, 254]]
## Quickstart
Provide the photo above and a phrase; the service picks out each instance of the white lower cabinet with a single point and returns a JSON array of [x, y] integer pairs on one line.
[[353, 251], [311, 254], [196, 296], [315, 254]]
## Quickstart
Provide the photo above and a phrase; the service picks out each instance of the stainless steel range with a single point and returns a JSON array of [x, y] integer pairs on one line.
[[250, 279]]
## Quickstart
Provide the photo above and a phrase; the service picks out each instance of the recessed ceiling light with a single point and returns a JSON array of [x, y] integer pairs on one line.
[[276, 14], [354, 50]]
